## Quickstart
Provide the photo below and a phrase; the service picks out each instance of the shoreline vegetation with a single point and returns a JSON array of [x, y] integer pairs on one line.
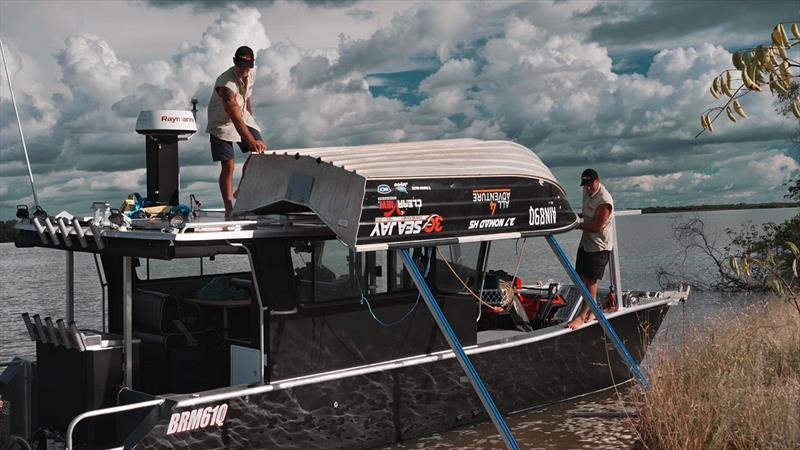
[[8, 233], [722, 207], [732, 383]]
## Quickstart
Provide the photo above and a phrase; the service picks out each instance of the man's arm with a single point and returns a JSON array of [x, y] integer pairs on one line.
[[601, 216], [232, 108]]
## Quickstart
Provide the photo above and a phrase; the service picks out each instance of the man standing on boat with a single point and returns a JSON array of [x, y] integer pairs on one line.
[[596, 241], [230, 119]]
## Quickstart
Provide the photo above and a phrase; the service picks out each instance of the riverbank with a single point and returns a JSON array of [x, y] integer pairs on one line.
[[735, 383]]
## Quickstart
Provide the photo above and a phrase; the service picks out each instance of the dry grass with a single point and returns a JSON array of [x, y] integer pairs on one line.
[[733, 385]]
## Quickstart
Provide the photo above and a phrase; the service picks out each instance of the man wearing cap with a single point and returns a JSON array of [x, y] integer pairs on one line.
[[230, 119], [596, 242]]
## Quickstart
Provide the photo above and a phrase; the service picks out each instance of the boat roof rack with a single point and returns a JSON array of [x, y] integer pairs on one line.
[[369, 197]]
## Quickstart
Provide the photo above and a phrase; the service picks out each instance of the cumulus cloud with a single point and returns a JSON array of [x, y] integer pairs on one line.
[[361, 14], [488, 70], [652, 24]]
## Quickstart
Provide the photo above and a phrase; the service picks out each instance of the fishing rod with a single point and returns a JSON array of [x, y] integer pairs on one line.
[[19, 125]]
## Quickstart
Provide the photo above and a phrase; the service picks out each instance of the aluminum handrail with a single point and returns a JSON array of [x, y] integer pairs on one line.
[[11, 363], [107, 411]]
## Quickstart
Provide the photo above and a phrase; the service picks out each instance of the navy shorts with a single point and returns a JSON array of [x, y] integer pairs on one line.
[[223, 150], [592, 264]]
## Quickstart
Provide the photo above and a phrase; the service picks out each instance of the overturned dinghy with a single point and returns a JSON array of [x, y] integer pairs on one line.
[[408, 194]]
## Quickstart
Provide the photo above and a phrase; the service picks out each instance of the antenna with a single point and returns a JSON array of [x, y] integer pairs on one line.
[[19, 124]]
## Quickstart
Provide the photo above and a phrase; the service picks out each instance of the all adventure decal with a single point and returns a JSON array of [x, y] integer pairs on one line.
[[496, 198]]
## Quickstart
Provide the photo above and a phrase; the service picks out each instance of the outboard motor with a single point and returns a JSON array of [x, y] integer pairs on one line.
[[163, 129]]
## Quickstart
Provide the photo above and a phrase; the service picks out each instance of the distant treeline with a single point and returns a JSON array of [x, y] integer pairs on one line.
[[7, 231], [665, 209]]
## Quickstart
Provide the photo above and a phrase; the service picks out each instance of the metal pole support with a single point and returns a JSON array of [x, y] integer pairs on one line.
[[70, 312], [452, 340], [127, 318], [616, 279], [607, 328]]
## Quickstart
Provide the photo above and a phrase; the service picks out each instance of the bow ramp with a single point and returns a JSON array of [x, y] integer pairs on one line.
[[411, 194]]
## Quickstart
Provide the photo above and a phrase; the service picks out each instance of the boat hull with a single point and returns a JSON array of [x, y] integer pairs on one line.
[[365, 410]]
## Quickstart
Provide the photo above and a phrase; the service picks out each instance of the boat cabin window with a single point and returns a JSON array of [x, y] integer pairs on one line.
[[456, 265], [328, 270], [157, 269]]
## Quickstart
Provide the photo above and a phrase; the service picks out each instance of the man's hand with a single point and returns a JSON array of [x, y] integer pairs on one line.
[[258, 146], [601, 216]]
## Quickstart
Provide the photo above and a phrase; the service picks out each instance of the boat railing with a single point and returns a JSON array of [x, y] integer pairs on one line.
[[12, 363], [107, 412]]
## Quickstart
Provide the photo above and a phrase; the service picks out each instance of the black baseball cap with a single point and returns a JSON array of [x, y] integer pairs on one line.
[[588, 176], [244, 57]]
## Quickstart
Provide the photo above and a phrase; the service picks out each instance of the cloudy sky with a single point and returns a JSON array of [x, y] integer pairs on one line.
[[613, 85]]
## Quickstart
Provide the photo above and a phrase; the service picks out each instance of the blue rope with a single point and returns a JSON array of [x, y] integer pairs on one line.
[[364, 299]]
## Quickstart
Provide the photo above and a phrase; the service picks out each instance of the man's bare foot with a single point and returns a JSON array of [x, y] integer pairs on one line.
[[575, 323], [228, 215]]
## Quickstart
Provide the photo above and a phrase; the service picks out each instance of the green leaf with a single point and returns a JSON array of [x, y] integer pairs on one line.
[[793, 247]]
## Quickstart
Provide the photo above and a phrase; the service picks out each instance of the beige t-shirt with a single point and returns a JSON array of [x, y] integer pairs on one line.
[[219, 122], [603, 240]]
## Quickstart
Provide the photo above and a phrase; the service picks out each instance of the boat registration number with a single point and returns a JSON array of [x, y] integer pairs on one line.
[[197, 419]]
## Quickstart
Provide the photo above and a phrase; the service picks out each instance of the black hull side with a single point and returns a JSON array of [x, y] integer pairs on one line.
[[363, 411]]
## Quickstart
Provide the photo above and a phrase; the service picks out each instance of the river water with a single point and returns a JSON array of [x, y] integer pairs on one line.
[[34, 280]]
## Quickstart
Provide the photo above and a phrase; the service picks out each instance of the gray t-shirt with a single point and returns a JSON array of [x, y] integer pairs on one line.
[[219, 122], [603, 240]]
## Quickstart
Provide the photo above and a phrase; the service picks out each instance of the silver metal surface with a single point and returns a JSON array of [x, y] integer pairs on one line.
[[261, 307], [37, 225], [77, 337], [460, 158], [103, 285], [51, 229], [52, 332], [62, 332], [79, 232], [70, 312], [104, 412], [127, 317], [40, 329], [98, 237], [62, 227]]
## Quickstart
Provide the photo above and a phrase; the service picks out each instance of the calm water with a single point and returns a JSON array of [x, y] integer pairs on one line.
[[33, 280]]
